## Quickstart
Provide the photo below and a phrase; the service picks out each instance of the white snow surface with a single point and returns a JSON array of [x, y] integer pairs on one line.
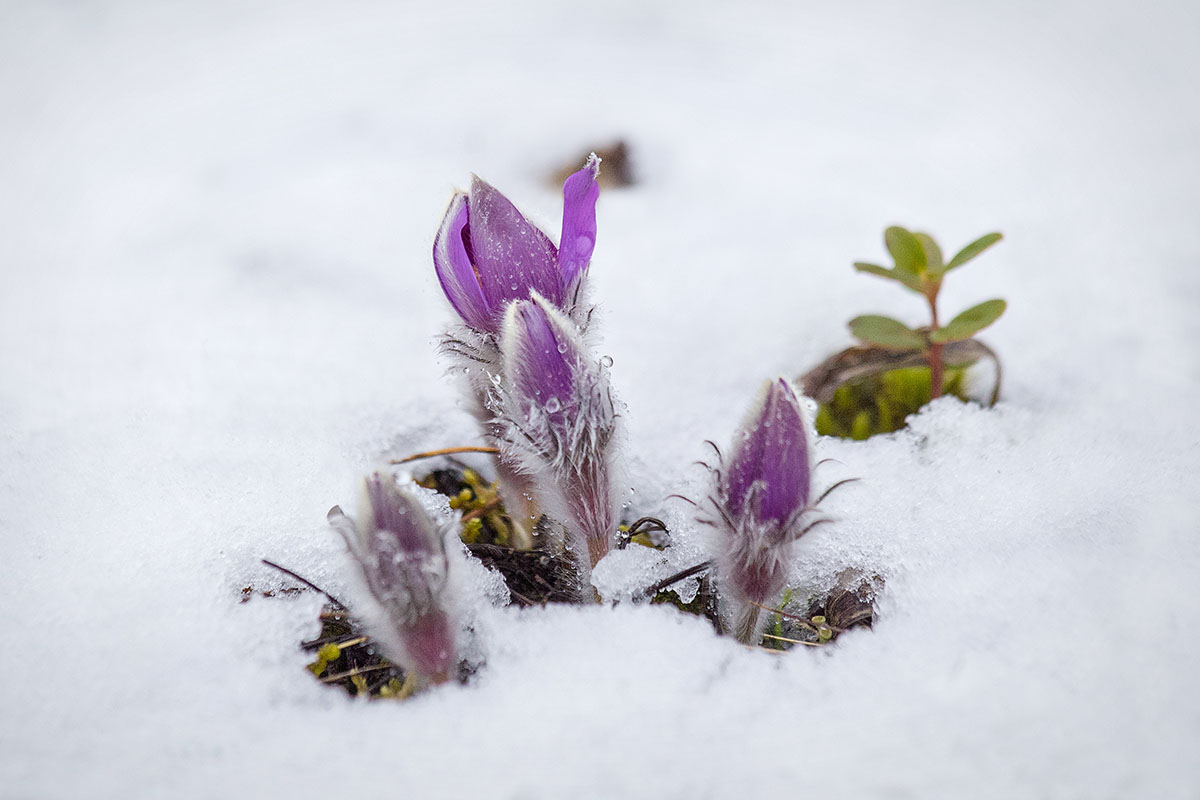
[[219, 311]]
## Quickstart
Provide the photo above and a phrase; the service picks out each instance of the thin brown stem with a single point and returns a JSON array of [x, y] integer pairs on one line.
[[306, 582], [803, 622], [341, 676], [343, 642], [446, 451], [649, 592], [486, 508], [792, 641], [936, 368]]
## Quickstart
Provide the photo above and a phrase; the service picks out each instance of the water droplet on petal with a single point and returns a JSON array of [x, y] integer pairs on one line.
[[606, 361], [553, 405], [562, 347]]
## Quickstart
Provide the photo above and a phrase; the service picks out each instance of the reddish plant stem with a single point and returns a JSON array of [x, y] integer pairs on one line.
[[935, 352]]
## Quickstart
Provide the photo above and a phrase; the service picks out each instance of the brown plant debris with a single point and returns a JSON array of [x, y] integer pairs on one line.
[[533, 577], [862, 361], [616, 166]]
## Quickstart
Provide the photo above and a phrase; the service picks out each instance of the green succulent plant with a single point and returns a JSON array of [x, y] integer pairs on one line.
[[920, 267]]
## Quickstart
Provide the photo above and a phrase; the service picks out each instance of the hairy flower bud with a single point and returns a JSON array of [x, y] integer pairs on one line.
[[761, 492], [486, 255], [402, 555], [557, 413]]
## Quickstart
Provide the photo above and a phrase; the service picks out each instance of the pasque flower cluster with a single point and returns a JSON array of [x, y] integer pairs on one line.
[[543, 399]]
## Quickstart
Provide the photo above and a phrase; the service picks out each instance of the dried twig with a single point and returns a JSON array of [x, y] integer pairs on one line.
[[486, 508], [350, 673], [793, 641], [306, 582], [678, 576], [862, 361], [797, 618], [343, 642], [445, 451]]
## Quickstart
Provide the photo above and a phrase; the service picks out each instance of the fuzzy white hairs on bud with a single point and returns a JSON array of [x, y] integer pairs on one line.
[[559, 421], [401, 554]]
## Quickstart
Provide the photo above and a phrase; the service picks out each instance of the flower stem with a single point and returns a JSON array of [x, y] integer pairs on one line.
[[935, 352]]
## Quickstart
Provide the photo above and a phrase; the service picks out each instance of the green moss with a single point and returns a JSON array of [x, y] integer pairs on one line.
[[471, 530], [327, 654], [484, 518], [881, 403], [345, 657]]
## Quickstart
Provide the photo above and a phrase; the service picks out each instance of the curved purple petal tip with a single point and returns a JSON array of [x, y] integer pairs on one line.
[[578, 240]]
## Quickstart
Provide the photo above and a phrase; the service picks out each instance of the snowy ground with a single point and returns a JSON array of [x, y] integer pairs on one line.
[[219, 310]]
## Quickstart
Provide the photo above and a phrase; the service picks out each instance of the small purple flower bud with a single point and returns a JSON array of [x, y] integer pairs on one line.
[[402, 556], [768, 474], [558, 416], [487, 254], [761, 493]]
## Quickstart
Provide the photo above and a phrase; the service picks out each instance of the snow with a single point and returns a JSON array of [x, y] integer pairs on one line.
[[219, 311]]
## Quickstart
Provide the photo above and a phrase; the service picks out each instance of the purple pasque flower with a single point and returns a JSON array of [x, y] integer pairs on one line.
[[401, 553], [558, 420], [487, 254], [761, 493]]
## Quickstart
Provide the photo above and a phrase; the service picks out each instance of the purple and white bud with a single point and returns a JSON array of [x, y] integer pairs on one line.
[[401, 553], [761, 493], [559, 423], [487, 254]]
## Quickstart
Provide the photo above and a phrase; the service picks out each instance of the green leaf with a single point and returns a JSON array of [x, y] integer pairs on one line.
[[905, 249], [911, 281], [886, 332], [969, 322], [875, 269], [973, 249], [933, 253]]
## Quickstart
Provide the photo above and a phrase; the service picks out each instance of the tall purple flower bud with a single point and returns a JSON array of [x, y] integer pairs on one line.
[[559, 421], [761, 494], [487, 254], [402, 556]]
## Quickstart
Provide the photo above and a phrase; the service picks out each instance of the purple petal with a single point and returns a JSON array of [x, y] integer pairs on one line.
[[768, 473], [455, 271], [511, 256], [578, 239], [541, 356], [431, 646], [398, 577], [400, 514]]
